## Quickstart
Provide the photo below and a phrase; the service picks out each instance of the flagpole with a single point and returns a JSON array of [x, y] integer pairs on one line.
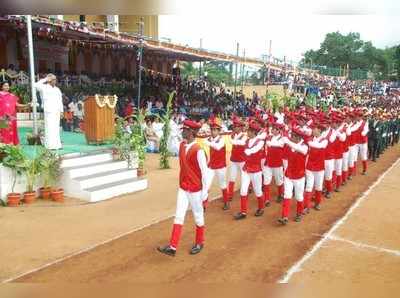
[[140, 52], [32, 73]]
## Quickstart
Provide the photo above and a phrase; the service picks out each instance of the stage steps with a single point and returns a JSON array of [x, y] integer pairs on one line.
[[96, 176]]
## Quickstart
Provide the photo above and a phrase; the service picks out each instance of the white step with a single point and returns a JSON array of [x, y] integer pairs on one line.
[[99, 179], [28, 123], [91, 169], [88, 159], [110, 190]]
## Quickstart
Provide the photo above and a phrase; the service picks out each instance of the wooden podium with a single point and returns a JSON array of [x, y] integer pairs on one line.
[[99, 118]]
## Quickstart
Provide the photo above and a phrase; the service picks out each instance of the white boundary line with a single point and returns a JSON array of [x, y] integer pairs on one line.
[[363, 245], [297, 266], [91, 247]]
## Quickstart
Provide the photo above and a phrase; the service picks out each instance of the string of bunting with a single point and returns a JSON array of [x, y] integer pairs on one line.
[[109, 100], [157, 72]]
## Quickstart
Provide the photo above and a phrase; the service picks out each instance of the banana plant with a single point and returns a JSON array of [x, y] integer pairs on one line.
[[166, 118]]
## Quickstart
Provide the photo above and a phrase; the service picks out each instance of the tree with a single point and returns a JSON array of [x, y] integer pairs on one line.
[[218, 71], [188, 70], [397, 61], [338, 50]]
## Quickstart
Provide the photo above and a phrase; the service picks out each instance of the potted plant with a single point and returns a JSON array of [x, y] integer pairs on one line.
[[121, 141], [32, 169], [48, 160], [138, 142], [54, 173], [129, 143], [14, 160]]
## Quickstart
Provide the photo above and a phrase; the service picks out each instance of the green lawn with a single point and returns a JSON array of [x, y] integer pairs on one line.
[[72, 143]]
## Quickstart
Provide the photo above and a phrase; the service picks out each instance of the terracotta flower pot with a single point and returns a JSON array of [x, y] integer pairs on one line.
[[57, 195], [141, 172], [45, 193], [13, 199], [29, 197]]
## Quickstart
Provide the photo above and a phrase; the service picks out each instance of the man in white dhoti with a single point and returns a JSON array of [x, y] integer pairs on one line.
[[53, 108]]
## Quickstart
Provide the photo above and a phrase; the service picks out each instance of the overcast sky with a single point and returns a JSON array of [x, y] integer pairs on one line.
[[293, 26]]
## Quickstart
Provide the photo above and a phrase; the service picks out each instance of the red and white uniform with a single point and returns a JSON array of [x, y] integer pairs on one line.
[[306, 129], [192, 190], [329, 157], [362, 142], [346, 149], [353, 153], [252, 173], [263, 135], [340, 144], [294, 180], [273, 165], [286, 133], [217, 163], [237, 154], [315, 169]]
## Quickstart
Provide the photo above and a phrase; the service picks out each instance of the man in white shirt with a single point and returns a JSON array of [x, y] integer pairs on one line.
[[53, 108]]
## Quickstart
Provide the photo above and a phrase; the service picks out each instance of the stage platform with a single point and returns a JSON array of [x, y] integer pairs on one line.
[[72, 142]]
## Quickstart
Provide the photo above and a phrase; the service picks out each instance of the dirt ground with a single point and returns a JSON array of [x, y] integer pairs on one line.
[[256, 249], [34, 235], [366, 248]]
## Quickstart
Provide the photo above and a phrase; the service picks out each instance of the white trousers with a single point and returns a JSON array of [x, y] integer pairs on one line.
[[196, 203], [235, 168], [296, 185], [329, 166], [314, 179], [255, 179], [52, 130], [363, 151], [277, 173], [338, 166], [345, 162], [353, 152], [220, 173]]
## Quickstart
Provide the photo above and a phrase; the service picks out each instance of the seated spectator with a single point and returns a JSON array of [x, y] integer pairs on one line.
[[153, 141], [11, 70]]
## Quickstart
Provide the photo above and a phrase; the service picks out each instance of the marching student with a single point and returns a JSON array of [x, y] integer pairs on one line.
[[252, 172], [238, 139], [339, 145], [353, 150], [362, 142], [192, 189], [315, 168], [273, 166], [217, 163], [294, 179], [346, 149], [330, 135]]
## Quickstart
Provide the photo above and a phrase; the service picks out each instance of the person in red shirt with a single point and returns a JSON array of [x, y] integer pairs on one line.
[[339, 147], [252, 172], [362, 142], [345, 168], [273, 166], [353, 154], [238, 139], [315, 167], [217, 163], [192, 189], [330, 135], [294, 180]]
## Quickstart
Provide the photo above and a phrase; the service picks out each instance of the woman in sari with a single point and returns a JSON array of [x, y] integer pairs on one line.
[[8, 112]]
